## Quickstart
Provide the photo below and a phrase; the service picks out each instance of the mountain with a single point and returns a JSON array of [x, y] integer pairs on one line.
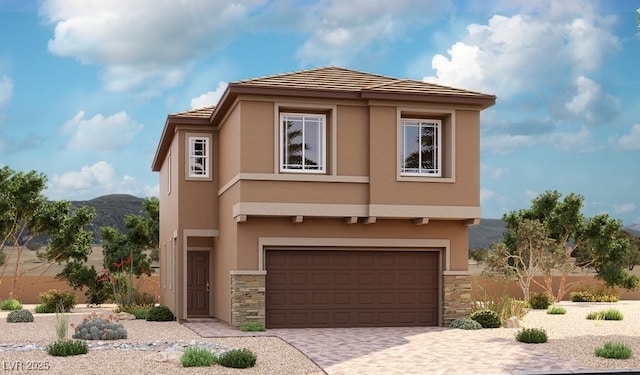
[[490, 231], [111, 210]]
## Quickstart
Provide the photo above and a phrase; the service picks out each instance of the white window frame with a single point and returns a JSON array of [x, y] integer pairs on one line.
[[192, 156], [322, 137], [436, 126]]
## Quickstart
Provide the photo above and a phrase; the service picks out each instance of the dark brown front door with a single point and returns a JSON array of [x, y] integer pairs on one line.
[[338, 288], [197, 283]]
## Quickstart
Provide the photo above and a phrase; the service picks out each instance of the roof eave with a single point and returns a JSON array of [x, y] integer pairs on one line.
[[483, 101]]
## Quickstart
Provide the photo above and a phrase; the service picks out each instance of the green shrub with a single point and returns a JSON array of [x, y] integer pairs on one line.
[[238, 358], [532, 335], [556, 310], [479, 255], [609, 314], [20, 316], [597, 293], [197, 357], [504, 306], [252, 327], [44, 309], [10, 304], [465, 323], [617, 350], [540, 301], [53, 297], [487, 318], [139, 311], [160, 314], [67, 348], [97, 327]]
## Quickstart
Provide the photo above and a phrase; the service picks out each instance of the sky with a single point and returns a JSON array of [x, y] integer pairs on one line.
[[86, 86]]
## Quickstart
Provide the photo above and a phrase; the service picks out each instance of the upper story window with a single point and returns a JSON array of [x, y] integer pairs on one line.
[[303, 142], [421, 147], [199, 163]]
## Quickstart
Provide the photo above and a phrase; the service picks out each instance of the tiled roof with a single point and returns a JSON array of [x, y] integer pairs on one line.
[[198, 113], [341, 79]]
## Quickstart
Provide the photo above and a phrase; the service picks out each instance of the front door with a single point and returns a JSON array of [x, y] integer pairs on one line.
[[197, 283]]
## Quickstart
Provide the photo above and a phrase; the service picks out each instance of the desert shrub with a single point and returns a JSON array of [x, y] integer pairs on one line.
[[197, 357], [465, 323], [10, 304], [487, 318], [160, 314], [139, 311], [238, 358], [609, 314], [44, 309], [53, 298], [252, 327], [504, 306], [556, 310], [20, 316], [532, 335], [143, 299], [97, 327], [615, 350], [597, 293], [540, 301], [67, 348]]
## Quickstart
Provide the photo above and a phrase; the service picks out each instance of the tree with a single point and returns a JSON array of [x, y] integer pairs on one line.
[[532, 252], [125, 254], [593, 241], [633, 258], [25, 213]]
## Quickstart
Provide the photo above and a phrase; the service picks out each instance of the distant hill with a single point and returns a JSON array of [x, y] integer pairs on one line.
[[111, 210], [490, 231]]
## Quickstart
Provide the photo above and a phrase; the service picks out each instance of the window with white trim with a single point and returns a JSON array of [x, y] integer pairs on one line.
[[421, 147], [303, 142], [199, 157]]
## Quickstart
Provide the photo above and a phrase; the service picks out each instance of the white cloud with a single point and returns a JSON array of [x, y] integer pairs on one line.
[[590, 104], [486, 195], [6, 90], [210, 98], [90, 181], [629, 141], [144, 42], [505, 144], [624, 208], [101, 133], [493, 172], [342, 31], [527, 52], [580, 141]]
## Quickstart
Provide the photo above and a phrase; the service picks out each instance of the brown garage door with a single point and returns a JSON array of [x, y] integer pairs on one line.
[[338, 288]]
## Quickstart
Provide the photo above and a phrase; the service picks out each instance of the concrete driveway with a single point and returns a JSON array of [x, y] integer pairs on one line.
[[413, 350]]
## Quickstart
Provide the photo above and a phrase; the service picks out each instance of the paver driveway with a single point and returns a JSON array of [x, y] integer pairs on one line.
[[413, 350]]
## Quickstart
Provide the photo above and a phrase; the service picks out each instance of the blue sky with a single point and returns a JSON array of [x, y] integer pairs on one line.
[[85, 86]]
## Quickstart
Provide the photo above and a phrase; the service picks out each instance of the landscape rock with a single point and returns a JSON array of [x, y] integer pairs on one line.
[[164, 357], [125, 316], [514, 322]]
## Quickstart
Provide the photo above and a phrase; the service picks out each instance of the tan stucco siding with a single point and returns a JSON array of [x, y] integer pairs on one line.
[[229, 147], [257, 137], [352, 141], [304, 192]]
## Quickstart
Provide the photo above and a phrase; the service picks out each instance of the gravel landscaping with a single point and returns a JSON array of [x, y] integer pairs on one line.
[[571, 337], [275, 356], [574, 338]]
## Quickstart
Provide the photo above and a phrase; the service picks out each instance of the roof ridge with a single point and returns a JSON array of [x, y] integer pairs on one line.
[[194, 111]]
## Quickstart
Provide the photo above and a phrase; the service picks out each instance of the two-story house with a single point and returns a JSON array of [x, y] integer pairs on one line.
[[321, 198]]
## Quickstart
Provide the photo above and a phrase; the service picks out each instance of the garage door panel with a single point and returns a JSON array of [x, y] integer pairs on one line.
[[343, 288]]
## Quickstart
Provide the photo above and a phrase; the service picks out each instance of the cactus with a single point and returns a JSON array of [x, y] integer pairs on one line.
[[95, 327]]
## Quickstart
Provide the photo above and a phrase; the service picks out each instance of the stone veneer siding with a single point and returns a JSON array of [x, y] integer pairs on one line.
[[247, 299], [456, 297]]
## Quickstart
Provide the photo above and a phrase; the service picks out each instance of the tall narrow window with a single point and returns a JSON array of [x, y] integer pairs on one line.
[[198, 157], [421, 153], [302, 142]]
